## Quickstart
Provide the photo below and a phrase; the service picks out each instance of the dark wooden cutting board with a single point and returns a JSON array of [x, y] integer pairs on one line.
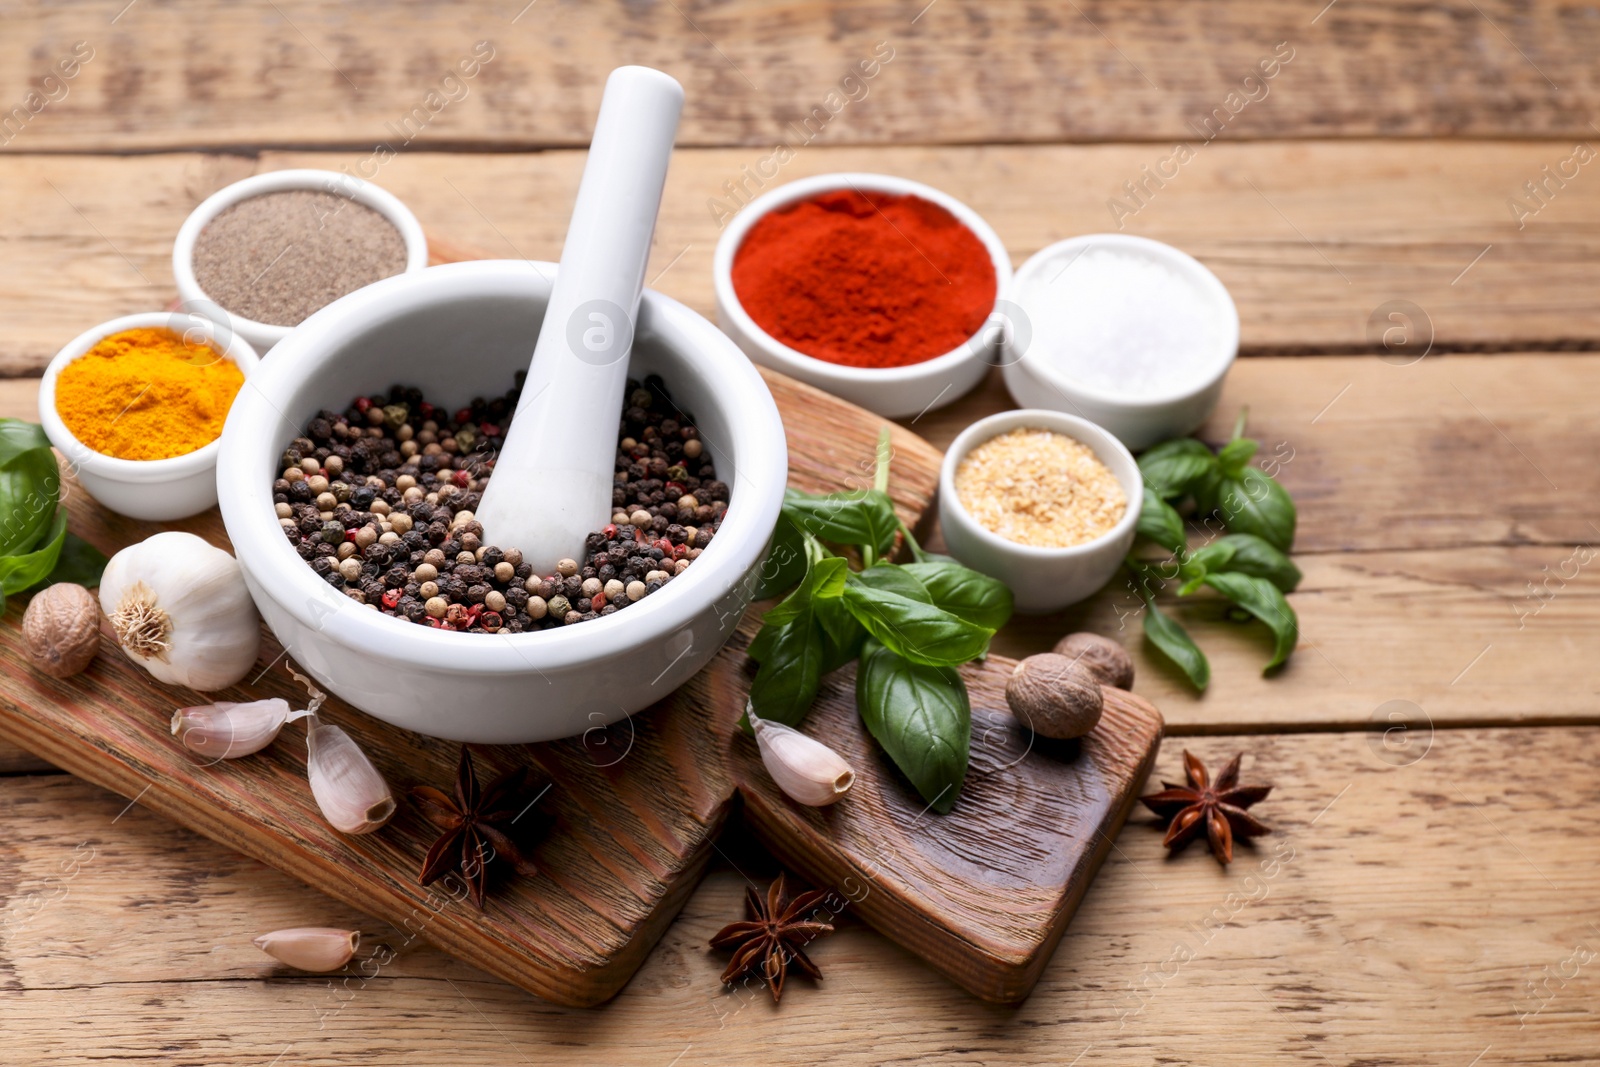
[[632, 811]]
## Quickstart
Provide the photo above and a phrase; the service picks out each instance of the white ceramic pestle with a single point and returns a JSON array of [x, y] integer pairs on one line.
[[553, 479]]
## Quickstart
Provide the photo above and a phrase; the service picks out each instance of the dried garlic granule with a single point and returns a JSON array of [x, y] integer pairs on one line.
[[1039, 488]]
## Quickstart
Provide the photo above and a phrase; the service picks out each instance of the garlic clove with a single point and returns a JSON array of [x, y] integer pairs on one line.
[[353, 796], [808, 771], [310, 948], [227, 730]]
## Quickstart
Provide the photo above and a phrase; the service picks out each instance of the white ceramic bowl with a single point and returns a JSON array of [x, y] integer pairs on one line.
[[265, 334], [1042, 579], [456, 332], [1139, 421], [891, 391], [158, 490]]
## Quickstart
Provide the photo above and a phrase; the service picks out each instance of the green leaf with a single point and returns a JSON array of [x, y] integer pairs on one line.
[[1160, 522], [921, 717], [785, 563], [826, 578], [29, 486], [1255, 504], [1235, 455], [1249, 554], [1203, 561], [864, 518], [964, 592], [18, 436], [892, 579], [842, 634], [19, 572], [1265, 601], [1173, 467], [79, 563], [791, 670], [915, 629], [1176, 644]]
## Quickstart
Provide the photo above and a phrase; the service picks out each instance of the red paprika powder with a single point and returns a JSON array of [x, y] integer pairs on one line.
[[865, 279]]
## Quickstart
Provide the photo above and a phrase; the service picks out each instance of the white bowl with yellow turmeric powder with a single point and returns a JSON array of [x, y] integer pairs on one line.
[[1046, 502], [137, 404]]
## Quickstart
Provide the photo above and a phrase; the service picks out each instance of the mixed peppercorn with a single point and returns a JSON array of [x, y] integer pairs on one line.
[[379, 500]]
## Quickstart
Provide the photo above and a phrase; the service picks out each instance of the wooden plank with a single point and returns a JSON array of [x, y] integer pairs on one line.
[[1486, 853], [1452, 453], [213, 73], [1330, 234], [1440, 567]]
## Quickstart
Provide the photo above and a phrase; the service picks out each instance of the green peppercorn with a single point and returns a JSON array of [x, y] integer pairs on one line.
[[559, 606], [333, 532], [394, 415]]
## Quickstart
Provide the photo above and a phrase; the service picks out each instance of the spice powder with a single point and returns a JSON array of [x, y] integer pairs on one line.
[[1039, 488]]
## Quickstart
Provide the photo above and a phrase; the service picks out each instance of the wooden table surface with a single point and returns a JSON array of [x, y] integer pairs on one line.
[[1432, 895]]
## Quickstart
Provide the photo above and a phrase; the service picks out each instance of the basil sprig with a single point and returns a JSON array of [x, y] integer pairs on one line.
[[35, 547], [910, 626], [1249, 564]]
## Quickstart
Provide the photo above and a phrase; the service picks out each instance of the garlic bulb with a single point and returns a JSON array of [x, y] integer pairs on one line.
[[226, 730], [353, 796], [807, 770], [310, 948], [181, 610]]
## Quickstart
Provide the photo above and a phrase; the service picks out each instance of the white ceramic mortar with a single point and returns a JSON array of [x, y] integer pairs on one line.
[[461, 331]]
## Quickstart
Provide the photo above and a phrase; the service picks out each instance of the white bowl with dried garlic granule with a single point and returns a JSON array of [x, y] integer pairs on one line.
[[1046, 502]]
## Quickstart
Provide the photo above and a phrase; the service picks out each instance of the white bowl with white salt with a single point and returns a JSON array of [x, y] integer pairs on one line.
[[1129, 333]]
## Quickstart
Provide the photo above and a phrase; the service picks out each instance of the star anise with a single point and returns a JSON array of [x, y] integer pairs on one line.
[[773, 937], [477, 826], [1217, 806]]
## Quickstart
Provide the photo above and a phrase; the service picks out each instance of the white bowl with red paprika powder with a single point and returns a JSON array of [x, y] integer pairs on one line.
[[878, 289]]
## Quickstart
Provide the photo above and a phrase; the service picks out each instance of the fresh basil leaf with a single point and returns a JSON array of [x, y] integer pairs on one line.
[[892, 579], [922, 718], [1249, 554], [18, 436], [785, 563], [1176, 644], [913, 628], [1255, 504], [1265, 601], [826, 578], [20, 571], [29, 487], [1235, 455], [842, 634], [79, 563], [1173, 467], [863, 518], [964, 592], [1160, 522], [1203, 561], [791, 669]]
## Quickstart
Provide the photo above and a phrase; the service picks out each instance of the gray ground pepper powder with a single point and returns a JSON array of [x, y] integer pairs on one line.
[[278, 257]]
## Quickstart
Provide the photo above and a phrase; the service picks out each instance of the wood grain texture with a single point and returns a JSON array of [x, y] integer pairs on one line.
[[985, 892], [213, 73], [1415, 914], [1440, 567], [1311, 238], [629, 819]]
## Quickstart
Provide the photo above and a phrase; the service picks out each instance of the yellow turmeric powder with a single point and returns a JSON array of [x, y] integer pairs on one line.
[[147, 394]]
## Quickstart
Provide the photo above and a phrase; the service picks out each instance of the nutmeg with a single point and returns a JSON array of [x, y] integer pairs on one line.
[[1108, 661], [1053, 696], [62, 629]]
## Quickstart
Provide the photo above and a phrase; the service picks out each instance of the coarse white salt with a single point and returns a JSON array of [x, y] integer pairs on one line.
[[1124, 323]]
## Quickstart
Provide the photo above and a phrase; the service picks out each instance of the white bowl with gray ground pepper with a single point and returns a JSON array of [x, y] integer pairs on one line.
[[263, 254], [1044, 501]]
